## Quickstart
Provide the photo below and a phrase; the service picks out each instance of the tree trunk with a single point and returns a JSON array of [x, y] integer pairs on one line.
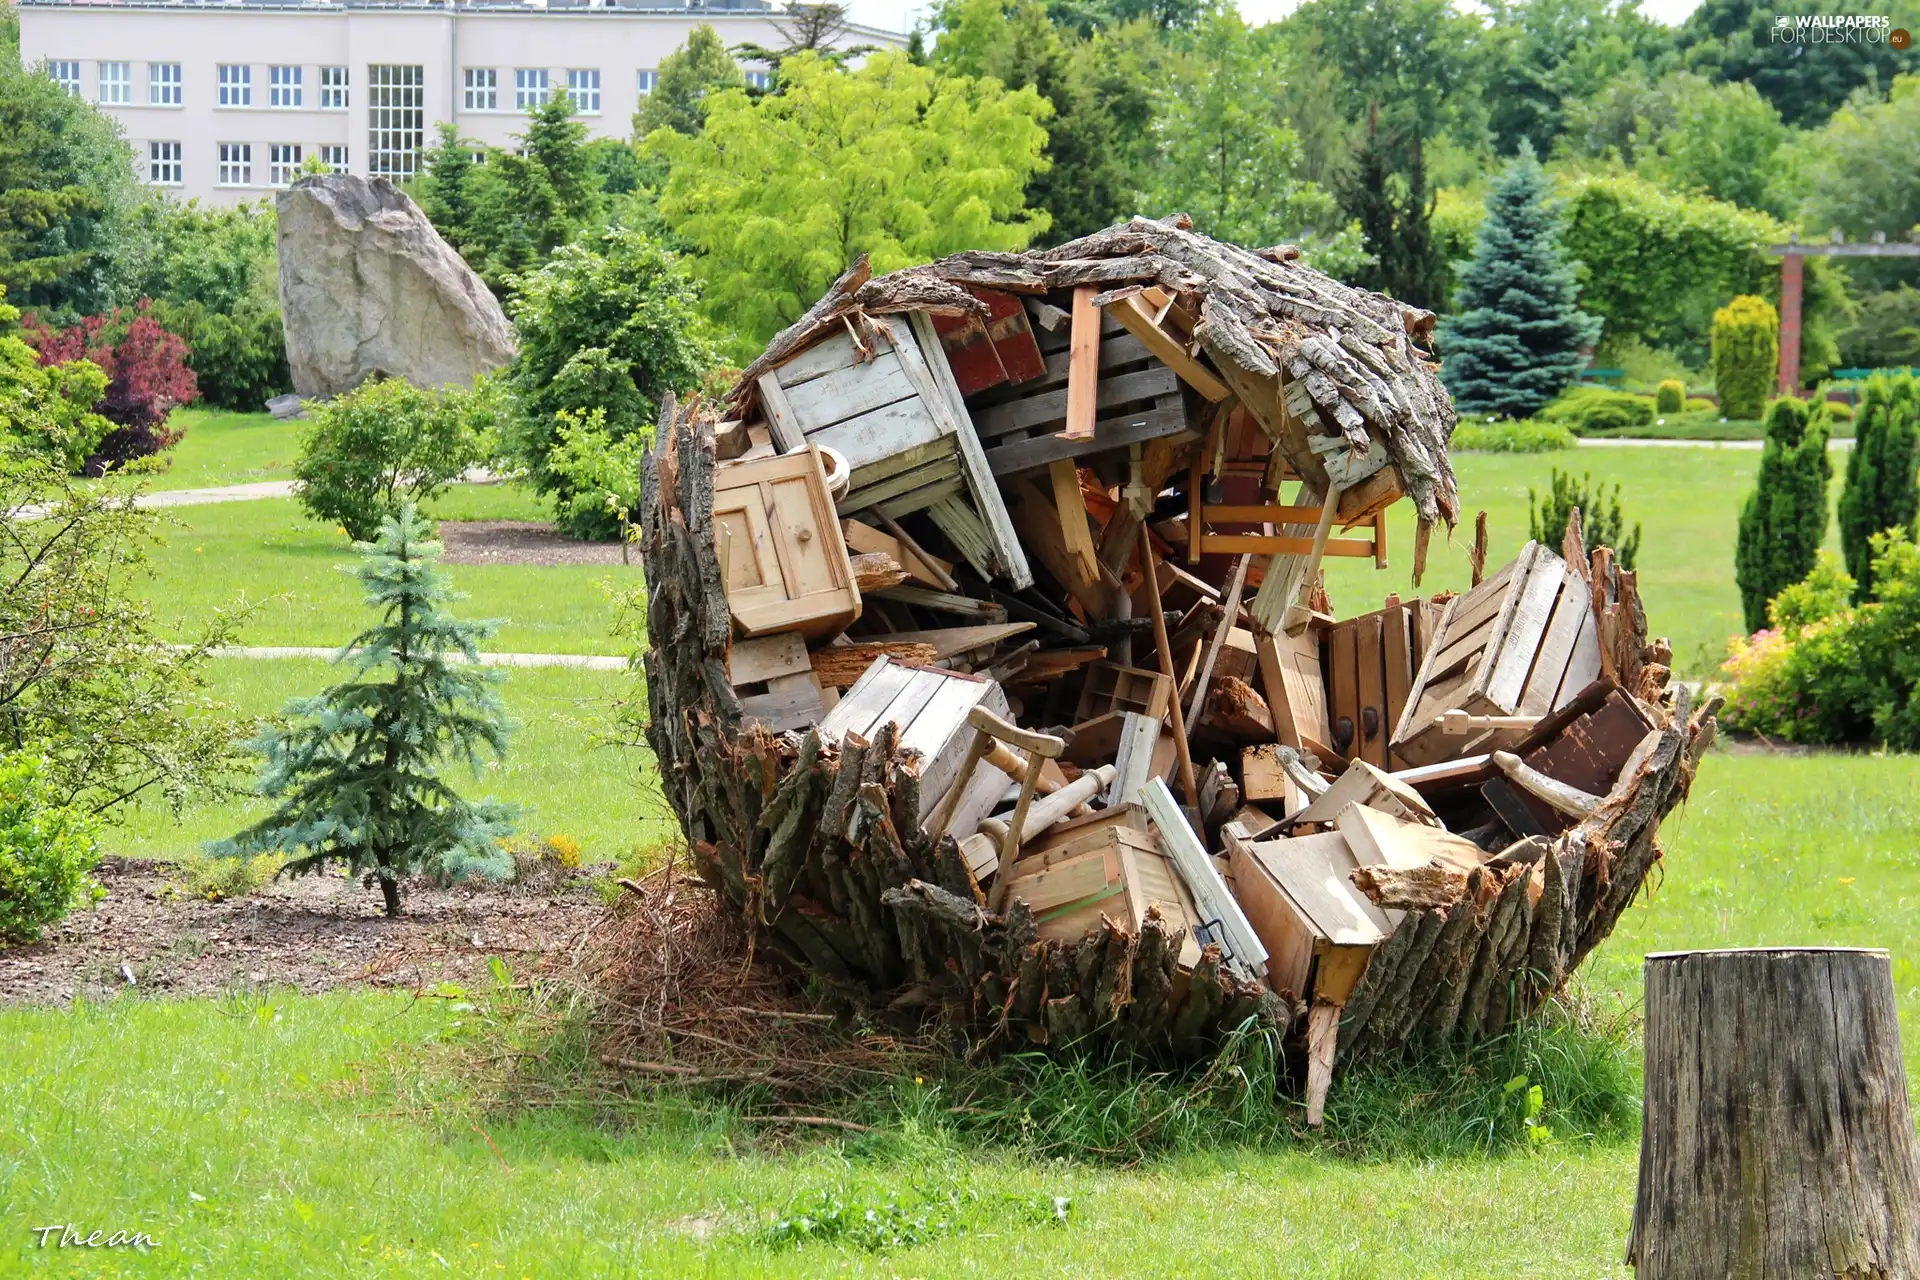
[[390, 891], [1778, 1140]]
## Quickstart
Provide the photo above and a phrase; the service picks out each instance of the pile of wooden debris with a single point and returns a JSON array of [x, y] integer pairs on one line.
[[992, 668]]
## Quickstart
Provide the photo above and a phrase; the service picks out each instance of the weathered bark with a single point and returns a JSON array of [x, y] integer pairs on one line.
[[1778, 1141]]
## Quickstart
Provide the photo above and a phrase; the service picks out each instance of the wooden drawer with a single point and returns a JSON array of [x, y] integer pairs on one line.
[[780, 547]]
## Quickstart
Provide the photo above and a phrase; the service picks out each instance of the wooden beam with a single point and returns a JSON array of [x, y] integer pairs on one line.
[[1071, 505], [1280, 544], [1138, 320], [781, 419], [1149, 571], [1083, 364], [1229, 616]]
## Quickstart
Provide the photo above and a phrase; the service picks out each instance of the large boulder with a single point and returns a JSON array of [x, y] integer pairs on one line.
[[367, 287]]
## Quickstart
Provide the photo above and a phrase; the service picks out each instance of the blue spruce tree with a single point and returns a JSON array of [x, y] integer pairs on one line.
[[357, 773], [1515, 341]]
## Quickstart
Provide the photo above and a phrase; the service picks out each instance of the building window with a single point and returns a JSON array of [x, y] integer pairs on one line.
[[163, 164], [762, 80], [66, 75], [163, 84], [283, 163], [236, 85], [116, 84], [283, 86], [529, 89], [483, 89], [333, 88], [396, 120], [645, 80], [334, 157], [584, 88], [236, 164]]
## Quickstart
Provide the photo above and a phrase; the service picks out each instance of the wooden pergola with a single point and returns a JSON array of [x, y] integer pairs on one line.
[[1792, 276]]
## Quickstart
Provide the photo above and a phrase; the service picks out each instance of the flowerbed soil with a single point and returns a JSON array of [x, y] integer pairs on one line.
[[519, 542], [314, 934]]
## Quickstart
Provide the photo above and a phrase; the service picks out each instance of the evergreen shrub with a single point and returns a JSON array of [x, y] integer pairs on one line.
[[1880, 491], [1523, 436], [1670, 397], [1589, 408], [1784, 519], [1601, 521], [1746, 355]]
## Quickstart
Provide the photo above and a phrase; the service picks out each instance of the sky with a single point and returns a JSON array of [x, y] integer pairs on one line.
[[900, 15]]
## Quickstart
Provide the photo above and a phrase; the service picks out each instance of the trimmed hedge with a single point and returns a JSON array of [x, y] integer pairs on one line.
[[1746, 355]]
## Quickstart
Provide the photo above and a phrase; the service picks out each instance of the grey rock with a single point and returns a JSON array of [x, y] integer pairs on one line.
[[368, 287], [288, 406]]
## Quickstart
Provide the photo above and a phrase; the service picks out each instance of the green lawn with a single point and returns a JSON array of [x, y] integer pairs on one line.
[[221, 447], [270, 551], [1687, 499], [298, 1136], [556, 770]]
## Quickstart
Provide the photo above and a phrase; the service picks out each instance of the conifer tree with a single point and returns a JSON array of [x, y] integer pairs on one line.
[[1784, 519], [1880, 492], [357, 773], [1515, 342]]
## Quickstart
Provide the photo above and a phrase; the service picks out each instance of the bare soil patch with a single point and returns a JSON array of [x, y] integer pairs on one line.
[[519, 542], [314, 934]]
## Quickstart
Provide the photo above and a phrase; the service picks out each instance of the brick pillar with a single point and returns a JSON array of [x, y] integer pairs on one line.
[[1791, 269]]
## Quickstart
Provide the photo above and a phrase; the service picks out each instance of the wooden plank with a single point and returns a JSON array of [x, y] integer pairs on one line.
[[1583, 668], [899, 430], [1396, 653], [1367, 784], [1038, 521], [1016, 456], [946, 602], [948, 641], [1371, 667], [924, 498], [1236, 587], [794, 708], [767, 658], [1210, 892], [781, 420], [867, 698], [1133, 765], [1083, 368], [1269, 513], [1343, 683], [1072, 508], [850, 392], [1312, 871], [865, 539], [987, 500], [1133, 314], [1527, 627], [921, 478], [1050, 407], [1296, 692], [841, 666], [1563, 632], [835, 351], [1265, 544]]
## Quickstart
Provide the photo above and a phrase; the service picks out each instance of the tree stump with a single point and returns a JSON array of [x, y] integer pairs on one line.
[[1778, 1140]]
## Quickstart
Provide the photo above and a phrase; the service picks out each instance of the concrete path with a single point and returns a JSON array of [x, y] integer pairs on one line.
[[224, 493], [577, 661]]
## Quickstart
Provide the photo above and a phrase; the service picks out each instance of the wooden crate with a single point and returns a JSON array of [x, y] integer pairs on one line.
[[1372, 661], [1111, 687], [929, 704], [1296, 690], [1138, 399], [780, 548], [1319, 931], [1521, 643], [1110, 864]]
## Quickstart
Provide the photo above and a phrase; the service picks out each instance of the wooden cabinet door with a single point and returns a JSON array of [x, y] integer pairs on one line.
[[786, 560]]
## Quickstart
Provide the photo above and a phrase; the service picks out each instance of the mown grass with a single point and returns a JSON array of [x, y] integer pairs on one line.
[[328, 1136], [221, 447], [1687, 500], [557, 769], [268, 551]]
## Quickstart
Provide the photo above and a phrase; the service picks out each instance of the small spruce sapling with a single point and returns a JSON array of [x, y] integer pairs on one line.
[[357, 773], [1601, 521]]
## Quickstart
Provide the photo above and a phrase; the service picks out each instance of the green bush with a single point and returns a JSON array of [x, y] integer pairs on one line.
[[1588, 408], [1671, 397], [1840, 411], [1699, 404], [1828, 674], [1880, 492], [1746, 355], [599, 490], [1601, 523], [385, 444], [1523, 436], [239, 356], [47, 850], [223, 879], [1784, 519]]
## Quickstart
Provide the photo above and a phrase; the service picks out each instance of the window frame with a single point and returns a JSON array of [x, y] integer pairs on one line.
[[522, 86], [241, 162], [646, 80], [124, 84], [387, 120], [326, 152], [282, 169], [161, 90], [65, 72], [176, 162], [481, 88], [240, 84], [579, 87], [335, 96], [289, 93]]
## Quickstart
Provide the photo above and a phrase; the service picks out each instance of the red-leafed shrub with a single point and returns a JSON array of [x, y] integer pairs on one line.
[[147, 377]]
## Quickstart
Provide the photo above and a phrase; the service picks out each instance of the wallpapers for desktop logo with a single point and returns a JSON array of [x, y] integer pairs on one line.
[[1838, 28]]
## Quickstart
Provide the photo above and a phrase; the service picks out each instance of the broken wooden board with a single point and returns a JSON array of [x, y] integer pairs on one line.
[[987, 352], [841, 666], [1319, 931], [1367, 784], [864, 539], [785, 564], [950, 641], [1290, 676]]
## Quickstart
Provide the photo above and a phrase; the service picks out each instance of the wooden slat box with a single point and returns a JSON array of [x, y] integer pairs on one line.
[[1109, 863], [1319, 931], [1138, 399], [1521, 643], [779, 544], [929, 704]]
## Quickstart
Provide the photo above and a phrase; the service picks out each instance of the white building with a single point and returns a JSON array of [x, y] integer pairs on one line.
[[224, 99]]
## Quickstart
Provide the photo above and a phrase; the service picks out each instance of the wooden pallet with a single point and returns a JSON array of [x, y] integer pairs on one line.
[[1138, 399]]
